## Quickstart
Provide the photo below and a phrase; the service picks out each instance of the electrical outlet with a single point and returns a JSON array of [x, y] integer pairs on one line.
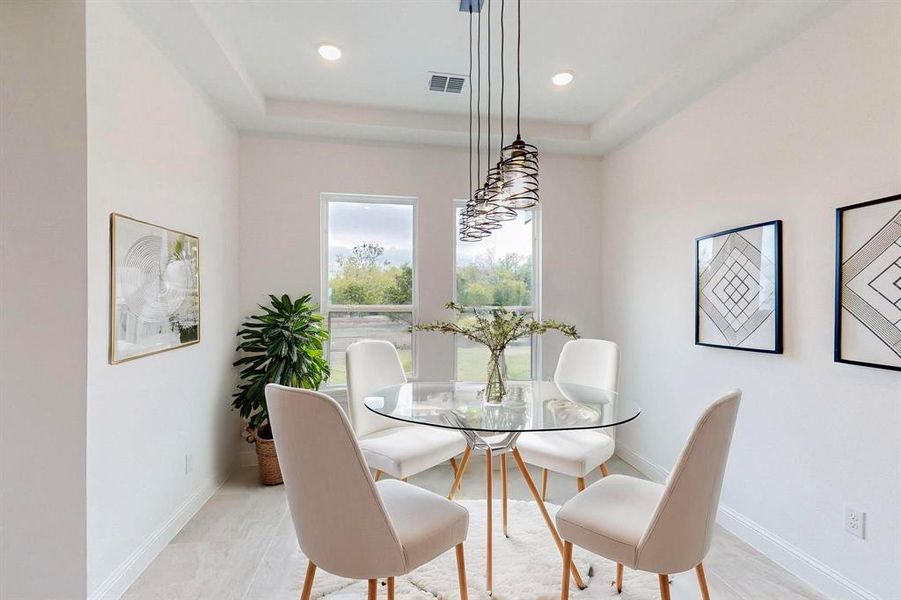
[[855, 522], [189, 466]]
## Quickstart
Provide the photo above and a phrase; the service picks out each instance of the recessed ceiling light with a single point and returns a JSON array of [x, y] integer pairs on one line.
[[329, 52], [562, 78]]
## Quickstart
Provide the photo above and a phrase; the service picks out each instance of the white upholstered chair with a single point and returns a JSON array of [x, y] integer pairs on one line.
[[662, 529], [393, 447], [346, 523], [576, 453]]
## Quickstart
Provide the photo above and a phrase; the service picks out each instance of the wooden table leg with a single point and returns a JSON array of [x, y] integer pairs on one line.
[[567, 560], [460, 470], [544, 484], [504, 490], [488, 481], [547, 518]]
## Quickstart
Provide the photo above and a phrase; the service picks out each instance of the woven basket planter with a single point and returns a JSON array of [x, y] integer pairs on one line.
[[270, 473]]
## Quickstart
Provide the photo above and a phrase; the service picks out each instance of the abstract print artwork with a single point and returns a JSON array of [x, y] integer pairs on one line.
[[154, 289], [739, 292], [868, 284]]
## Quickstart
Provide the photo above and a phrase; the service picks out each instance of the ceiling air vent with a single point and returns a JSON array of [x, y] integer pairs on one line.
[[445, 82]]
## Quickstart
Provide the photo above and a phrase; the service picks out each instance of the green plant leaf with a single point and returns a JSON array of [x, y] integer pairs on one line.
[[282, 344]]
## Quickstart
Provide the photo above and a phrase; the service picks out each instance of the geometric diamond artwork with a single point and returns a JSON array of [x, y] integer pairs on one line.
[[738, 295], [868, 319]]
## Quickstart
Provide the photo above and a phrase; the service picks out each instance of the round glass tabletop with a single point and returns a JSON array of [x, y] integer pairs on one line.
[[528, 406]]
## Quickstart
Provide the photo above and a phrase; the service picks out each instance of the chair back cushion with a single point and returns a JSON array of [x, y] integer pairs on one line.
[[341, 522], [589, 362], [371, 365], [679, 534]]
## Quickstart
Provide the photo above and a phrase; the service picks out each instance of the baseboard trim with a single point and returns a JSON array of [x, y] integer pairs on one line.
[[824, 578], [649, 469], [118, 582]]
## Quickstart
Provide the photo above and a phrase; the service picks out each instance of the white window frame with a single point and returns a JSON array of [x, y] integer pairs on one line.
[[535, 309], [326, 308]]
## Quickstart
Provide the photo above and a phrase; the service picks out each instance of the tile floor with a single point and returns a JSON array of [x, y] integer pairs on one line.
[[241, 545]]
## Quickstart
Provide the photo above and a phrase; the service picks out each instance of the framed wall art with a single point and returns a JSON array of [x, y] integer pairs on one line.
[[868, 283], [154, 289], [738, 288]]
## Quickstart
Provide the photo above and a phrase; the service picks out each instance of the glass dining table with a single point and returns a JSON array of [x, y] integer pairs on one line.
[[493, 428]]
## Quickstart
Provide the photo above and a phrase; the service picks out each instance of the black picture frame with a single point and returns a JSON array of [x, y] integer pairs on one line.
[[777, 288], [839, 262]]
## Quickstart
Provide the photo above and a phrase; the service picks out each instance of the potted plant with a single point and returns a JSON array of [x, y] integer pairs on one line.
[[283, 344], [496, 328]]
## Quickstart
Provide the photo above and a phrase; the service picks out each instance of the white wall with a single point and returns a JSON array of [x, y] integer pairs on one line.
[[281, 182], [814, 126], [43, 300], [158, 152]]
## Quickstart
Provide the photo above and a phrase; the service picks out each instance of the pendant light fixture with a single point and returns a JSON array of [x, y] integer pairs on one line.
[[499, 193], [493, 180], [477, 218], [471, 229], [519, 160], [512, 184]]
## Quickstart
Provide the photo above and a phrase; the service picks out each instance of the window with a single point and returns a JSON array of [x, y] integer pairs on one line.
[[368, 275], [498, 271]]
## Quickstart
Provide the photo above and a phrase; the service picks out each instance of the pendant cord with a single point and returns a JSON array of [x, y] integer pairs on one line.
[[518, 60], [488, 113], [469, 189], [479, 100], [502, 73]]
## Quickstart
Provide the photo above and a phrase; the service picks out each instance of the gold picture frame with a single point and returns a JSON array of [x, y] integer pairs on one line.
[[154, 302]]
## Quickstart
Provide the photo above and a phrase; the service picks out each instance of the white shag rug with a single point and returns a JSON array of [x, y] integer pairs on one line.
[[527, 566]]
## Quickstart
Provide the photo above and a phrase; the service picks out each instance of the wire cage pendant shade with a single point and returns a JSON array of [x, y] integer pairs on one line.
[[497, 195], [519, 160], [512, 184], [519, 175]]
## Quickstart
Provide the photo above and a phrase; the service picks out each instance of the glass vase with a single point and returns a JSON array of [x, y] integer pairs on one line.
[[496, 388]]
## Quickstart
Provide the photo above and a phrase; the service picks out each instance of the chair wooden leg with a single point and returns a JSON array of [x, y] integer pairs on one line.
[[702, 582], [567, 561], [664, 587], [461, 573], [404, 479], [619, 578], [378, 474], [544, 485], [391, 588], [453, 462], [580, 481], [373, 588], [544, 514], [308, 581], [455, 486], [504, 490], [488, 482], [603, 469]]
